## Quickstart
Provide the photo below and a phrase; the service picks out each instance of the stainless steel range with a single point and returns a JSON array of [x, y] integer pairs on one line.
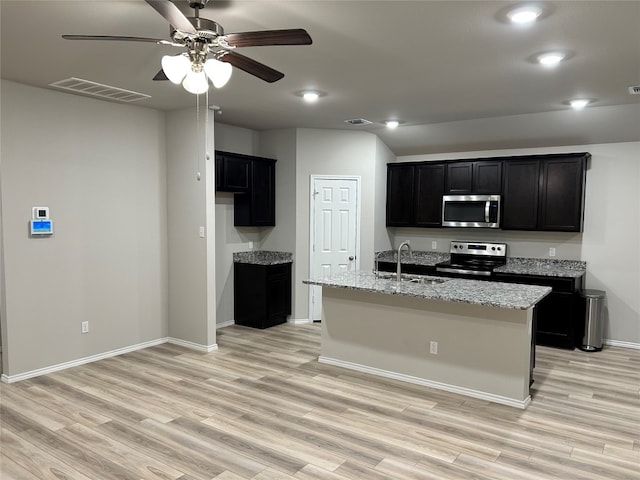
[[473, 259]]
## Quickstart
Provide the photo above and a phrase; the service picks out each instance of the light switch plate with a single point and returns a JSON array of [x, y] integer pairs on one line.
[[552, 252]]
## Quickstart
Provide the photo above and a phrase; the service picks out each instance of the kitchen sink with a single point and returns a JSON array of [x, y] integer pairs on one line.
[[413, 278], [428, 280]]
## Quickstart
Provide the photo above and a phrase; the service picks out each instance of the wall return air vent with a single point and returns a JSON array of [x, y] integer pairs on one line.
[[634, 90], [94, 89], [358, 121]]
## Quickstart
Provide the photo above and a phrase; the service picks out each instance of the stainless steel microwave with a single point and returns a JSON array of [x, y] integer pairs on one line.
[[472, 211]]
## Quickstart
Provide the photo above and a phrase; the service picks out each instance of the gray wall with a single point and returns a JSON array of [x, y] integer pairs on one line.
[[609, 242], [282, 145], [100, 168], [192, 313]]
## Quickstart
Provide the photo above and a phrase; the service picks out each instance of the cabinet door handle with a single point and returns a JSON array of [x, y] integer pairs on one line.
[[352, 258]]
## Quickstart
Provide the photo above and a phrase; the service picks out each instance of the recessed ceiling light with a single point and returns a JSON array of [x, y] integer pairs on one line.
[[310, 96], [392, 124], [579, 103], [551, 59], [524, 15]]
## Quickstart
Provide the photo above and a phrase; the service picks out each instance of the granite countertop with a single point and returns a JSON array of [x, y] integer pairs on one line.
[[517, 265], [262, 257], [478, 292], [543, 267]]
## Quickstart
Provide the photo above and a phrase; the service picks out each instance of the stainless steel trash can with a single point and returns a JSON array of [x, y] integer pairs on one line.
[[593, 320]]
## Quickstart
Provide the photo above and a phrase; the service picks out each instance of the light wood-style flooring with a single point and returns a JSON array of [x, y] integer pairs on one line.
[[263, 408]]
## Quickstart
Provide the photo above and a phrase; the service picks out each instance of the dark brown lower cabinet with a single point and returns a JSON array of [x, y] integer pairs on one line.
[[262, 294], [559, 316]]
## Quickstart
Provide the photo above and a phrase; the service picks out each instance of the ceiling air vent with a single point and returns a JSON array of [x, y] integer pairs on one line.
[[106, 92], [634, 90], [358, 121]]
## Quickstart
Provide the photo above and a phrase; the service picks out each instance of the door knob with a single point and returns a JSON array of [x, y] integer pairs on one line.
[[352, 258]]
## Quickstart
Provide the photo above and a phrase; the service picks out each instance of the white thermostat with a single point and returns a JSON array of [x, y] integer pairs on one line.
[[41, 227], [39, 212], [40, 223]]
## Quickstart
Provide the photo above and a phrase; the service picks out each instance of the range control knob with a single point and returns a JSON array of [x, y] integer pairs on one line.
[[499, 248], [493, 248]]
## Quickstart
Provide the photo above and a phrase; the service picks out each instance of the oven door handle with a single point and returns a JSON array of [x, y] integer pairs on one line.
[[485, 273]]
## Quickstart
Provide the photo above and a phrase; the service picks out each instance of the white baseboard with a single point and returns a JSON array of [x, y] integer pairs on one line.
[[81, 361], [522, 404], [618, 343], [94, 358], [298, 321], [193, 346], [228, 323]]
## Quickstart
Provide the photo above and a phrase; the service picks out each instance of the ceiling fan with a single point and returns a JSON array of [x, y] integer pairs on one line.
[[209, 51]]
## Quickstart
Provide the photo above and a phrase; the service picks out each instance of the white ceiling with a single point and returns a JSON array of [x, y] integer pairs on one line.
[[455, 72]]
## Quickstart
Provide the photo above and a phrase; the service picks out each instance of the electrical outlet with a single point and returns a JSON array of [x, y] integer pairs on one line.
[[250, 245], [434, 245], [552, 252], [433, 347], [84, 327]]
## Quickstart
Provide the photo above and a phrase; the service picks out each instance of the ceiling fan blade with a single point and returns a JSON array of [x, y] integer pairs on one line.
[[161, 76], [173, 15], [117, 38], [253, 67], [295, 36]]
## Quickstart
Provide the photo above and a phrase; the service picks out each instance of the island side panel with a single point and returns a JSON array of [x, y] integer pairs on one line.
[[483, 350]]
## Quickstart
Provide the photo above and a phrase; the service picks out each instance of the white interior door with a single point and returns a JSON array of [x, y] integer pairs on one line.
[[335, 231]]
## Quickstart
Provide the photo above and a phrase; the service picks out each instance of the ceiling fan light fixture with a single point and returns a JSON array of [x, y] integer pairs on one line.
[[196, 82], [176, 67], [218, 72]]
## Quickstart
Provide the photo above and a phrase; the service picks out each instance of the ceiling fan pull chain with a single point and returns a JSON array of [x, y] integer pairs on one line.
[[198, 137]]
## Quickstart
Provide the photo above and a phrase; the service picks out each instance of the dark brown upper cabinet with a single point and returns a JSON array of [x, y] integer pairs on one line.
[[459, 178], [400, 200], [487, 177], [474, 177], [258, 207], [520, 194], [428, 191], [253, 180], [544, 192], [414, 194], [232, 172], [562, 193]]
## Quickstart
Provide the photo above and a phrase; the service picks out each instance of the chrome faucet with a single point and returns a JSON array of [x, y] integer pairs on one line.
[[376, 270], [398, 268]]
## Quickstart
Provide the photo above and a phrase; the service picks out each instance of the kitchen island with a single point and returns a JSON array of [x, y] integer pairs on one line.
[[465, 336]]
